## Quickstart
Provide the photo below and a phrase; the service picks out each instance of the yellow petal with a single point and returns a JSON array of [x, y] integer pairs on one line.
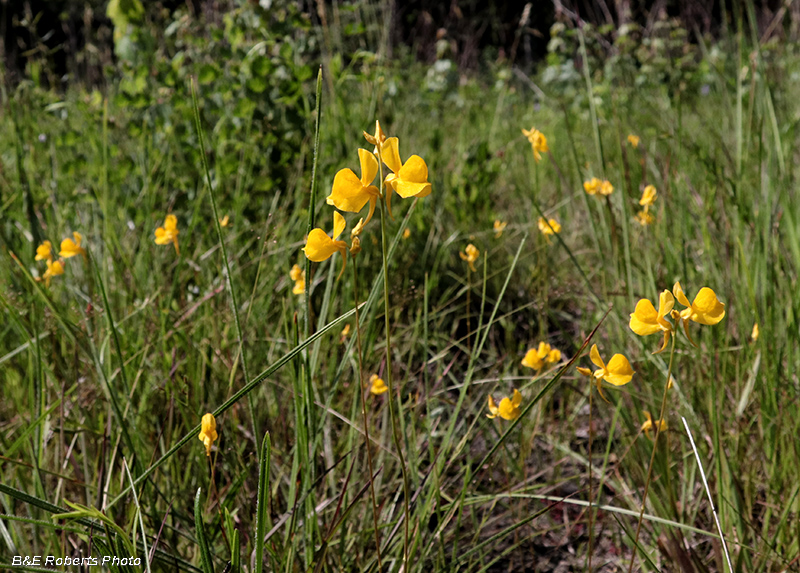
[[319, 247], [493, 410], [594, 355], [338, 225], [516, 400], [369, 166], [507, 410], [532, 359], [171, 222], [584, 371], [543, 350], [644, 319], [163, 237], [554, 356], [619, 370], [664, 344], [707, 308], [679, 294], [390, 154], [348, 194], [665, 303]]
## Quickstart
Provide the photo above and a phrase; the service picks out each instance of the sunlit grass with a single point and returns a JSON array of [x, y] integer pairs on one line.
[[530, 243]]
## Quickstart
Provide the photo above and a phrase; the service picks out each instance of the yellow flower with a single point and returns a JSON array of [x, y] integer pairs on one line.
[[706, 308], [606, 188], [646, 321], [548, 227], [168, 233], [224, 221], [320, 247], [54, 268], [409, 179], [44, 252], [754, 334], [538, 142], [618, 371], [592, 186], [499, 227], [644, 217], [406, 233], [508, 408], [649, 196], [470, 254], [345, 332], [537, 357], [377, 385], [298, 275], [350, 193], [633, 140], [70, 248], [648, 424], [208, 432]]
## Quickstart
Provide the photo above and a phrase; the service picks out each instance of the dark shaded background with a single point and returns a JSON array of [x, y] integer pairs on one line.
[[63, 29]]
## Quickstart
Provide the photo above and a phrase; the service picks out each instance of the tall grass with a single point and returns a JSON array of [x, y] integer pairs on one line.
[[111, 367]]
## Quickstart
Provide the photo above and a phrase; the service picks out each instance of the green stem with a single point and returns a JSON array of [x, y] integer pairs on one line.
[[657, 424], [392, 414], [360, 390], [589, 457]]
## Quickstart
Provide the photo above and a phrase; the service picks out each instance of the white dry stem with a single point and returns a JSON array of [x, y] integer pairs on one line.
[[708, 493]]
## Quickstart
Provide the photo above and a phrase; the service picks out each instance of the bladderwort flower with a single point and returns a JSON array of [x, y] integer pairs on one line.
[[470, 254], [208, 431], [509, 408], [409, 179], [755, 333], [344, 334], [649, 196], [706, 308], [406, 234], [537, 358], [54, 268], [538, 142], [320, 247], [617, 372], [592, 186], [633, 140], [377, 385], [645, 320], [225, 221], [606, 188], [298, 275], [499, 226], [350, 193], [71, 248], [169, 233], [548, 227], [44, 252], [649, 424]]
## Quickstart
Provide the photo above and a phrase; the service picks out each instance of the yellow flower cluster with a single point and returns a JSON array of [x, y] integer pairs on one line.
[[298, 275], [705, 309], [649, 195], [508, 409], [377, 386], [169, 233], [617, 372], [470, 254], [633, 140], [548, 227], [208, 431], [594, 186], [538, 358], [351, 193], [69, 249], [538, 142]]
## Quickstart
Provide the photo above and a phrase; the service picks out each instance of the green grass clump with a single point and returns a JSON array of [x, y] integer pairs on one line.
[[108, 371]]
